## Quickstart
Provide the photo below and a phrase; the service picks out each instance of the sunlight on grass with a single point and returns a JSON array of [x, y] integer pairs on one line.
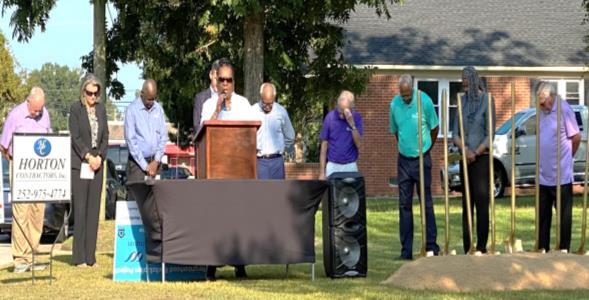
[[268, 281]]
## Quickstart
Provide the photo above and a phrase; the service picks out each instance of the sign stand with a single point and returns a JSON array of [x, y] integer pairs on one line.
[[50, 252], [42, 176]]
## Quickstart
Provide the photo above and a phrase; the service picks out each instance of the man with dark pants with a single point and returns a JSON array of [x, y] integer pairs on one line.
[[146, 136], [569, 139], [475, 103], [403, 125], [228, 105], [274, 136]]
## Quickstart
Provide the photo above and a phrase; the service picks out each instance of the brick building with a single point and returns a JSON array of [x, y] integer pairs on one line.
[[507, 41]]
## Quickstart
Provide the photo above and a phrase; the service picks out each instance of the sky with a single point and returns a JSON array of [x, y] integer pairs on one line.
[[68, 36]]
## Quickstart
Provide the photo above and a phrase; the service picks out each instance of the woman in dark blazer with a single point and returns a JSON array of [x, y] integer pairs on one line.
[[89, 132]]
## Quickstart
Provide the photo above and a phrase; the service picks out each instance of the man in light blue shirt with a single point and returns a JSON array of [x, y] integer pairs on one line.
[[146, 133], [274, 136], [146, 136]]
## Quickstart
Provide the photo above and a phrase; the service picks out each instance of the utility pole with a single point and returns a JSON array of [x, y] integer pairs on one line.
[[99, 66]]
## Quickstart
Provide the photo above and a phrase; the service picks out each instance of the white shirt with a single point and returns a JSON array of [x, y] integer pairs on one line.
[[276, 132], [241, 110]]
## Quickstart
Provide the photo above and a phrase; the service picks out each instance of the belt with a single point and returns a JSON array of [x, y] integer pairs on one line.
[[148, 159], [268, 156], [414, 158]]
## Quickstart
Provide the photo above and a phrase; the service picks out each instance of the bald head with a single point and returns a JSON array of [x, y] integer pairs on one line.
[[149, 93], [36, 101], [406, 87], [268, 92]]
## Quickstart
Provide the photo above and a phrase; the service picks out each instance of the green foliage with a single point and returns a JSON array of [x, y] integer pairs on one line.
[[177, 40], [27, 16], [12, 90]]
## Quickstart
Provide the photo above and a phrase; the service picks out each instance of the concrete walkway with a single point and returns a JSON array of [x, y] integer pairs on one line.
[[5, 256]]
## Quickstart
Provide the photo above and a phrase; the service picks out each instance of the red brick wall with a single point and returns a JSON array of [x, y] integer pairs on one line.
[[378, 153], [301, 170], [379, 150]]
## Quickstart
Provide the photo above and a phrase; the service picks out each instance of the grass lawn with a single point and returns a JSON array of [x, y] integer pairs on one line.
[[268, 281]]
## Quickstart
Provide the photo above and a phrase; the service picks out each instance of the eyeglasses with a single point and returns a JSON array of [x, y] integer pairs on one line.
[[225, 79], [90, 94]]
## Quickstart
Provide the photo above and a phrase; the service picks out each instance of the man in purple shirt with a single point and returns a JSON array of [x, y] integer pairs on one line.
[[569, 139], [341, 136], [28, 117]]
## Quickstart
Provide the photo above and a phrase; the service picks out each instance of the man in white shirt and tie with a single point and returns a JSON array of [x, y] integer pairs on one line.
[[274, 136]]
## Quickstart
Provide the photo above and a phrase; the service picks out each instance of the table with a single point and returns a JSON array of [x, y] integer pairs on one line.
[[238, 222]]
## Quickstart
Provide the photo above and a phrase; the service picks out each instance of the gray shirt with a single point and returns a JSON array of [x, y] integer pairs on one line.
[[276, 132], [475, 121]]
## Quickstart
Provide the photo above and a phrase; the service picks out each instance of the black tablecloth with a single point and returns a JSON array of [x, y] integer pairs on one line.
[[218, 222]]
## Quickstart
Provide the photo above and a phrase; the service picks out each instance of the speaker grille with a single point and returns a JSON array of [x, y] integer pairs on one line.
[[344, 227], [348, 251], [347, 202]]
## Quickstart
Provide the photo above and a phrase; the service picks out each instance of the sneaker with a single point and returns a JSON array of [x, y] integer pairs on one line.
[[21, 268], [39, 267]]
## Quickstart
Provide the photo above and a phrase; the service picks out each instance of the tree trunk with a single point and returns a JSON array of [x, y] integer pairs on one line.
[[99, 70], [253, 61], [99, 59]]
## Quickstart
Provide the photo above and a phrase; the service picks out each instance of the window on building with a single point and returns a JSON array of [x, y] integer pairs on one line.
[[572, 90], [433, 88]]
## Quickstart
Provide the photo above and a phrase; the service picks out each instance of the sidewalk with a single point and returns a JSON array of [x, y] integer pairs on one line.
[[5, 256]]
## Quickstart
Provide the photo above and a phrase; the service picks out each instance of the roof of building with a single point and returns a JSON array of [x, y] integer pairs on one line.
[[530, 33]]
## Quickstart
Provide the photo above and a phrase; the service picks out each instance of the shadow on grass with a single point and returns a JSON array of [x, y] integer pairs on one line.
[[66, 259], [25, 279]]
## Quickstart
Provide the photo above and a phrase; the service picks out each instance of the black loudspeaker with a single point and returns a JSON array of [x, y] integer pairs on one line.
[[344, 226]]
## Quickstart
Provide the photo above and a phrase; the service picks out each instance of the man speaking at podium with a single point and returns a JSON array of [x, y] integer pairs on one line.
[[228, 106]]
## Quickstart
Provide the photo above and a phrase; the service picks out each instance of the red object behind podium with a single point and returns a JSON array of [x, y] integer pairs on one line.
[[227, 149]]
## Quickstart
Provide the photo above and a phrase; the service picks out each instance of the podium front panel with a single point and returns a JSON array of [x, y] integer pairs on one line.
[[231, 153]]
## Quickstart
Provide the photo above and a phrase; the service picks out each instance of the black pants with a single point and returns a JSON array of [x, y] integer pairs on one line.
[[408, 177], [478, 177], [149, 212], [86, 206], [547, 201]]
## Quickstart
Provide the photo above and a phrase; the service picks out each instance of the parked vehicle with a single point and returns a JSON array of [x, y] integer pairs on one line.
[[175, 172], [119, 155], [54, 212], [525, 152]]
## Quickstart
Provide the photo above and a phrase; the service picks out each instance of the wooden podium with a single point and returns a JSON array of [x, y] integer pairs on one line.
[[227, 149]]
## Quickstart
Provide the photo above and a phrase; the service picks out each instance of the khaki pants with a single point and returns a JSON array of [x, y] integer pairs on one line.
[[30, 218]]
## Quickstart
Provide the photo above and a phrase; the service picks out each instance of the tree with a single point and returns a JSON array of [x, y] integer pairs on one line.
[[27, 16], [296, 44], [12, 89]]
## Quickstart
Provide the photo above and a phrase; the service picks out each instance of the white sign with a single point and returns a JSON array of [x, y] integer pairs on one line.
[[41, 168]]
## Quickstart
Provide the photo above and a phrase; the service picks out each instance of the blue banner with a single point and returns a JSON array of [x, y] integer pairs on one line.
[[130, 258]]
